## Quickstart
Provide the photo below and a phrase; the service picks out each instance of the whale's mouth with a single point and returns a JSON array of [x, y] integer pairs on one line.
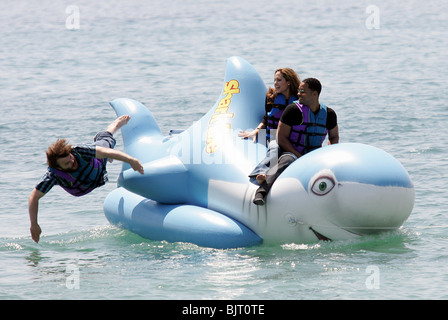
[[319, 235]]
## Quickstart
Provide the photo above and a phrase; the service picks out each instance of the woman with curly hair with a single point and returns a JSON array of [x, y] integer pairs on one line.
[[286, 85]]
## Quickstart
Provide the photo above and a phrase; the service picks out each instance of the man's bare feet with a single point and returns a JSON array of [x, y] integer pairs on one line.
[[118, 123], [261, 178]]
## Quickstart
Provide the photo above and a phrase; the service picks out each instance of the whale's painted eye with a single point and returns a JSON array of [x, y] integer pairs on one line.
[[323, 185]]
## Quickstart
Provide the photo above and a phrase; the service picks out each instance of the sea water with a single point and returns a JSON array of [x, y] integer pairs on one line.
[[383, 66]]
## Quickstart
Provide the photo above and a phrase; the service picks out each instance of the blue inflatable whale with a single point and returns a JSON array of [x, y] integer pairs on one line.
[[196, 189]]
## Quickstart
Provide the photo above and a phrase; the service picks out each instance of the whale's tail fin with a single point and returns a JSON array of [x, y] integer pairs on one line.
[[142, 130], [164, 178]]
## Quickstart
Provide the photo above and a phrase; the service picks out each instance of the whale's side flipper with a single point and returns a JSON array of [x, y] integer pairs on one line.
[[176, 223], [165, 181]]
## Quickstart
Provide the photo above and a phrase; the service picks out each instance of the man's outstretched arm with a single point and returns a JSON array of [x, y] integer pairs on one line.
[[102, 153], [33, 207]]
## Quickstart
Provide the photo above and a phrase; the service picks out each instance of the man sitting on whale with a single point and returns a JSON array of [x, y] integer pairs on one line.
[[301, 129], [78, 169]]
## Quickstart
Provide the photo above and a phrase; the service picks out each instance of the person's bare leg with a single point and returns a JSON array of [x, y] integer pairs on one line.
[[118, 123]]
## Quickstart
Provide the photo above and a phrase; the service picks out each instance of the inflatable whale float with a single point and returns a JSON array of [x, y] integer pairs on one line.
[[196, 188]]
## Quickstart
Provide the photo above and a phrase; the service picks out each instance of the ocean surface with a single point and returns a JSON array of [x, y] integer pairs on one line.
[[384, 70]]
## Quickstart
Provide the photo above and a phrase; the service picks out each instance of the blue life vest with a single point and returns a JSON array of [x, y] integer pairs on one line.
[[310, 134], [89, 176], [276, 112]]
